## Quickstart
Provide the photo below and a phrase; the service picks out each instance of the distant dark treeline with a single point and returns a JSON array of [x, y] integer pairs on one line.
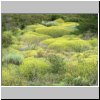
[[88, 22]]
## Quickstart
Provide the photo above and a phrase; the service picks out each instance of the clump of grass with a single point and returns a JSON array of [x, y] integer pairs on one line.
[[14, 58]]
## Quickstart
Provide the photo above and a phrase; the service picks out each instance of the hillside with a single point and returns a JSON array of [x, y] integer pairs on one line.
[[50, 53]]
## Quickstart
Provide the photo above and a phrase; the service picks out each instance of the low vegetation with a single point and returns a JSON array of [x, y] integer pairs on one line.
[[51, 50]]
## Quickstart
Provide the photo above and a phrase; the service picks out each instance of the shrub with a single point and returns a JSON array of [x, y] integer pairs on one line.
[[71, 37], [59, 30], [53, 31], [57, 63], [82, 72], [78, 45], [6, 52], [32, 39], [40, 52], [70, 45], [32, 67], [16, 32], [48, 41], [7, 38], [33, 27], [29, 53], [57, 46], [94, 42], [10, 76], [14, 58], [89, 69], [90, 52], [70, 24], [41, 36], [89, 23], [59, 20], [16, 46], [72, 19]]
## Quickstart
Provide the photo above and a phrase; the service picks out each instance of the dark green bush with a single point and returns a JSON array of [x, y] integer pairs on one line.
[[7, 38], [89, 23], [57, 63]]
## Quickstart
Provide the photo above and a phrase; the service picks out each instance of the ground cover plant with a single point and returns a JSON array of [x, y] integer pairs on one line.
[[49, 50]]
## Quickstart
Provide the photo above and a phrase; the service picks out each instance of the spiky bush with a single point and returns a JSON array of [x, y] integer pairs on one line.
[[14, 58]]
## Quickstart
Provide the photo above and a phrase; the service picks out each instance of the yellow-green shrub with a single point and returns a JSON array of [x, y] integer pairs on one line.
[[94, 42], [82, 72], [29, 53], [77, 45], [32, 27], [70, 24], [53, 31], [10, 76], [90, 52], [33, 39], [59, 20], [32, 67], [48, 41], [16, 46], [70, 45], [59, 30], [40, 52]]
